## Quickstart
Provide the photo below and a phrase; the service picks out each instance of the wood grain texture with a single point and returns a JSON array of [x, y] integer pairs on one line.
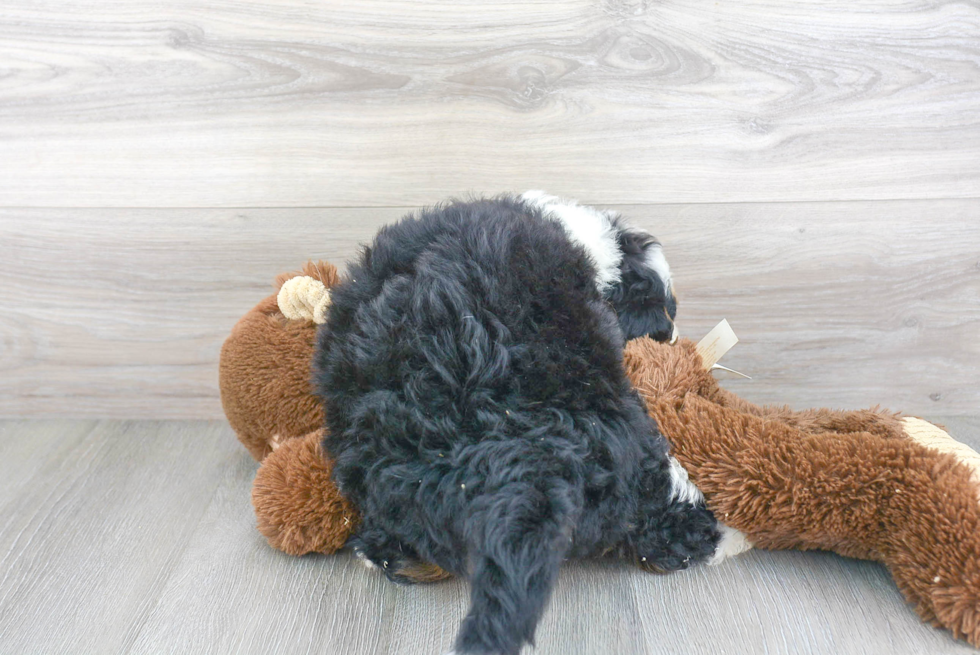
[[139, 537], [380, 103], [121, 313], [836, 305], [92, 518]]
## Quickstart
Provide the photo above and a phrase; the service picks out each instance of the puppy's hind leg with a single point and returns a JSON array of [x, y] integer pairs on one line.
[[518, 534], [399, 562]]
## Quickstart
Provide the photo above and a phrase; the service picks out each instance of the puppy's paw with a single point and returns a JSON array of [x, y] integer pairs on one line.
[[368, 564], [677, 539], [733, 542]]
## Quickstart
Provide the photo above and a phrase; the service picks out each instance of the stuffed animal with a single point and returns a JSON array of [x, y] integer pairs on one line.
[[867, 484]]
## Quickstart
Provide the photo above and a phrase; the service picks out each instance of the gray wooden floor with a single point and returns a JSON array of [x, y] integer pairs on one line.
[[138, 537]]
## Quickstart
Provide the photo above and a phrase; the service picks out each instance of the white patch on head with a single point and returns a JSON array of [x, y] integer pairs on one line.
[[681, 487], [656, 261], [365, 561], [733, 542], [588, 227]]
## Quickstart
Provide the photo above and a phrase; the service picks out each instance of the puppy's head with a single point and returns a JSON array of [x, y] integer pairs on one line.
[[631, 271], [643, 296]]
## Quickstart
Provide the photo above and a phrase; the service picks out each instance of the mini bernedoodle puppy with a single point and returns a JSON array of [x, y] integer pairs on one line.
[[478, 413]]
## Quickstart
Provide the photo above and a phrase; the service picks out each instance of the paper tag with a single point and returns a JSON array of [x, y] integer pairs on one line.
[[716, 343]]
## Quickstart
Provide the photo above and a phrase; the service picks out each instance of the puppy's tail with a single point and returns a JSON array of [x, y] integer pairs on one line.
[[518, 534]]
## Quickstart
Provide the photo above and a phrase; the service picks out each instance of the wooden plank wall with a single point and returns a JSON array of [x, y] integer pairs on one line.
[[812, 167]]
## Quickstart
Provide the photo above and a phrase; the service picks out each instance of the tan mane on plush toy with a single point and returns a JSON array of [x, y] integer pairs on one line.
[[867, 484]]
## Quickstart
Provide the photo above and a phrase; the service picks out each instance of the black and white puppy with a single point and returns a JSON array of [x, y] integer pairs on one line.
[[478, 412]]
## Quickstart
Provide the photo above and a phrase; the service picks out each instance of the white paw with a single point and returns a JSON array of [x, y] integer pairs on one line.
[[733, 542], [371, 566]]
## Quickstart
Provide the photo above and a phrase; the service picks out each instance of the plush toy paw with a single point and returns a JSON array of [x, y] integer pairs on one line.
[[298, 508]]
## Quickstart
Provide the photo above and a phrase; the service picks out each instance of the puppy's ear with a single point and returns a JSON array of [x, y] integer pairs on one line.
[[643, 298]]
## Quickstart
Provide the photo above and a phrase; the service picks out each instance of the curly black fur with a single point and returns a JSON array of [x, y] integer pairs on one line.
[[479, 415], [645, 306]]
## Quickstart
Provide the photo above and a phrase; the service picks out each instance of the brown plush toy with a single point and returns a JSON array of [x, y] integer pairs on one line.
[[267, 395], [866, 484]]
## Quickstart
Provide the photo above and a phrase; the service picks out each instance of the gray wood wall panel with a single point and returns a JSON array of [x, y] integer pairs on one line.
[[122, 313], [291, 103], [139, 537]]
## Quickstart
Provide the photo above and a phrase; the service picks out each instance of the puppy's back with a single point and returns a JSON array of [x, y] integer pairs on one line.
[[469, 367], [469, 302]]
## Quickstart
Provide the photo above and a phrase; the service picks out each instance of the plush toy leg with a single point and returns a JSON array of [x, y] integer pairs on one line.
[[954, 594], [862, 495], [662, 371], [816, 421], [865, 484], [298, 508]]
